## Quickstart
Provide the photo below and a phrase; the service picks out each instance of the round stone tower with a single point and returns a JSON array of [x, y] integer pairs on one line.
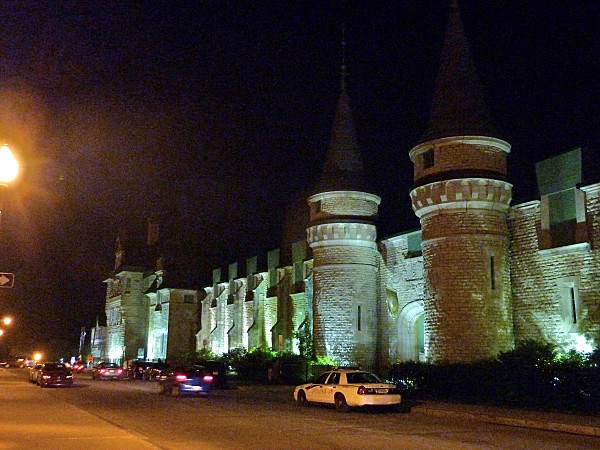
[[461, 197], [342, 236]]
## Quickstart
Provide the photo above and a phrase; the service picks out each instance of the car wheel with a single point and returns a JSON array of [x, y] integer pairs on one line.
[[340, 403], [302, 399], [175, 391], [42, 384]]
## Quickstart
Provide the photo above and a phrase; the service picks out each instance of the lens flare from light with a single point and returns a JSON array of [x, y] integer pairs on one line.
[[9, 167]]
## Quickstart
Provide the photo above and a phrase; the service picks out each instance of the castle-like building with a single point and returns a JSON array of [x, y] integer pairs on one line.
[[478, 276]]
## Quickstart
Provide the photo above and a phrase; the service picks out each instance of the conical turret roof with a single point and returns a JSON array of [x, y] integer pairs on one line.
[[343, 169], [458, 107]]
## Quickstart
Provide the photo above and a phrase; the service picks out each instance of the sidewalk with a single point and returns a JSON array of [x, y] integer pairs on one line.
[[550, 421]]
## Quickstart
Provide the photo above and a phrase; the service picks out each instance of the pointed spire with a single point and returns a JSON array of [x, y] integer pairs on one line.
[[343, 169], [458, 108]]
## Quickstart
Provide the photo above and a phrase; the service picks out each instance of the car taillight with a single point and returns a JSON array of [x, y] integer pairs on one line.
[[102, 370], [208, 378], [364, 391], [181, 378], [361, 390], [120, 371]]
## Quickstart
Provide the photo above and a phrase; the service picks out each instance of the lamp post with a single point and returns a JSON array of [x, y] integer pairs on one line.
[[9, 168]]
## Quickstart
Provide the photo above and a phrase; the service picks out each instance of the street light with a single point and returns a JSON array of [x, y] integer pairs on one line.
[[9, 168], [7, 320]]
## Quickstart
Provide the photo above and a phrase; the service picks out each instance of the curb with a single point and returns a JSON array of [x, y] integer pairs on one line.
[[511, 421]]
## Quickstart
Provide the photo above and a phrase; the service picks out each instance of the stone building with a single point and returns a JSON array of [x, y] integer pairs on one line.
[[146, 318], [477, 277]]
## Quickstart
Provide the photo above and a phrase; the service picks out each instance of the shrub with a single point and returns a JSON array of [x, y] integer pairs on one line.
[[532, 375], [255, 364]]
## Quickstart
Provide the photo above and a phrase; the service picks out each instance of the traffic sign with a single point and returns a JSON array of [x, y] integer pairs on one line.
[[7, 280]]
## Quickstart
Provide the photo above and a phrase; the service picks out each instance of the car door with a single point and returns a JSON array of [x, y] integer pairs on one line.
[[331, 387], [315, 391]]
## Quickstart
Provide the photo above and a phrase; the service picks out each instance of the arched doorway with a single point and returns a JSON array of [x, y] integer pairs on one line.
[[411, 331]]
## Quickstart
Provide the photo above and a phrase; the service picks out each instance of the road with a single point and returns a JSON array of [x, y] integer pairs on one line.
[[131, 414]]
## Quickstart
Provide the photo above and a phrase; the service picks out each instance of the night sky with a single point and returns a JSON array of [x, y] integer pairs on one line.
[[216, 116]]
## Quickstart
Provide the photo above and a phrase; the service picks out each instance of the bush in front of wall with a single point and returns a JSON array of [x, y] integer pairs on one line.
[[533, 375]]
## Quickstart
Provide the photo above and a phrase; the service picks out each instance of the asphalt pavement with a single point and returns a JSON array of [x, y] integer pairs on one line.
[[541, 420]]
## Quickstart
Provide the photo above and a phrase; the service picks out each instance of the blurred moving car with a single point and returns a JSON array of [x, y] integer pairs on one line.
[[33, 373], [7, 362], [78, 366], [185, 380], [55, 374], [136, 368], [107, 371], [23, 362], [225, 376], [347, 388], [152, 372]]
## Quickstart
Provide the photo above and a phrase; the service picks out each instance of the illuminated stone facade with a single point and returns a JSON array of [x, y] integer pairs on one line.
[[477, 277]]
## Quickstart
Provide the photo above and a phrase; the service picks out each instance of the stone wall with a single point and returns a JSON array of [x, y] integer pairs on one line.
[[400, 301], [556, 291]]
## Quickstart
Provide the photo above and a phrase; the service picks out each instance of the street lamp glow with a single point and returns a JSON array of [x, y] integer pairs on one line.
[[37, 357], [7, 320], [1, 332], [9, 167]]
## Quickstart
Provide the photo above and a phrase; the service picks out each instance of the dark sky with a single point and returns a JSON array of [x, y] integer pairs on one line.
[[216, 116]]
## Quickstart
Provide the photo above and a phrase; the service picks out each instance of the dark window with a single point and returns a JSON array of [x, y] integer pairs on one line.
[[492, 273], [359, 324], [573, 304], [188, 298], [334, 379], [322, 378], [361, 377], [428, 159]]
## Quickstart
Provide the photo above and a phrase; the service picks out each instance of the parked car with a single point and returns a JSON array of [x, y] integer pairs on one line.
[[224, 375], [185, 380], [347, 388], [78, 366], [135, 369], [33, 373], [55, 374], [107, 371], [152, 372]]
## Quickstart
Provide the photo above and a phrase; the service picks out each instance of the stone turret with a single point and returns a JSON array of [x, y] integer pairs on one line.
[[342, 236], [461, 197]]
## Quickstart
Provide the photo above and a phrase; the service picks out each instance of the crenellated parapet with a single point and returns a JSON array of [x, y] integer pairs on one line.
[[356, 234], [461, 194]]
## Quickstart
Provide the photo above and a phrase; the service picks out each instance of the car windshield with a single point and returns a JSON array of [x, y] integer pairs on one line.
[[192, 372], [109, 366], [144, 364], [57, 366], [361, 377]]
